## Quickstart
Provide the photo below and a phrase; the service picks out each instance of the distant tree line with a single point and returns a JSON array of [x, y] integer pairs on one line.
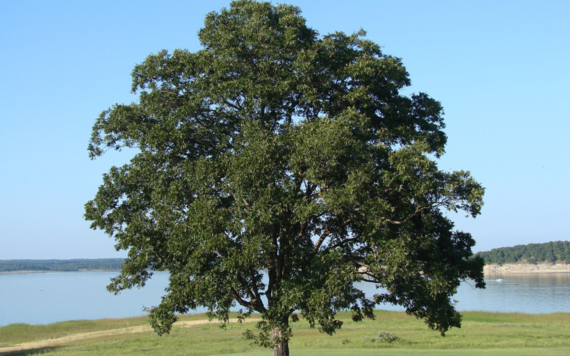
[[557, 251], [105, 264]]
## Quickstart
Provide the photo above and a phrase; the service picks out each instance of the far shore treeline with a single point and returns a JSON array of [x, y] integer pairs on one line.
[[99, 264], [549, 252]]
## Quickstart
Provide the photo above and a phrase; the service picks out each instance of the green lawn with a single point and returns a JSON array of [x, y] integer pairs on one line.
[[413, 352], [481, 334], [18, 333]]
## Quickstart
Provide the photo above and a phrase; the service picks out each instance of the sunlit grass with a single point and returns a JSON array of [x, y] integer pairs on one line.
[[415, 352], [482, 333], [18, 333]]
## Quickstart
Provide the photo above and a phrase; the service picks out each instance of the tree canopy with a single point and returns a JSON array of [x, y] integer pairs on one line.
[[275, 168]]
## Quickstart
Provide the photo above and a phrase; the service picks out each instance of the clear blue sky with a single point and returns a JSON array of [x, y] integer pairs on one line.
[[500, 68]]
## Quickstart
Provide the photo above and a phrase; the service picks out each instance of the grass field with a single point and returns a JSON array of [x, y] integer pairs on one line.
[[482, 334]]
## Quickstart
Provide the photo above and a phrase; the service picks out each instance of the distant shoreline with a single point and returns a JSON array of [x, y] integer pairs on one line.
[[514, 268], [527, 268], [70, 265], [32, 271]]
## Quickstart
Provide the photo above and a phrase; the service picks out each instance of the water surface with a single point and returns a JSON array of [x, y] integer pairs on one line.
[[40, 298]]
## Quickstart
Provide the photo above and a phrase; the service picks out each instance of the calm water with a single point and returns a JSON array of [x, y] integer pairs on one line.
[[40, 298]]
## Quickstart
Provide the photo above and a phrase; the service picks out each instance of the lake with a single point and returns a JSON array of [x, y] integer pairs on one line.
[[40, 298]]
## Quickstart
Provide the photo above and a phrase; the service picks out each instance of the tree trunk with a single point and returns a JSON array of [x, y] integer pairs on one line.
[[282, 347]]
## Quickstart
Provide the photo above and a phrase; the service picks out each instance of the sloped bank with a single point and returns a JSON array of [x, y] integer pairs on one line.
[[527, 268]]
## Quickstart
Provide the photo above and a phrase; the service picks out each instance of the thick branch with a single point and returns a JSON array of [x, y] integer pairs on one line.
[[254, 300], [339, 244], [308, 220], [321, 240], [243, 199], [325, 234], [372, 278], [240, 300], [255, 290]]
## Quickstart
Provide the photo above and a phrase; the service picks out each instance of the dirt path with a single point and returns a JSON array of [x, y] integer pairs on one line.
[[94, 334]]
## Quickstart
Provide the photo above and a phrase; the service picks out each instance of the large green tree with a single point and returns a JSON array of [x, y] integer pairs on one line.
[[275, 168]]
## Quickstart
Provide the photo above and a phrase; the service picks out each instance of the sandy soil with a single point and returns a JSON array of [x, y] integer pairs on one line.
[[528, 268], [91, 335]]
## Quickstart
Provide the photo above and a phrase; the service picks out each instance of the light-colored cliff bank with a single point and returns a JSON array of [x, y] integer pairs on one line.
[[528, 268]]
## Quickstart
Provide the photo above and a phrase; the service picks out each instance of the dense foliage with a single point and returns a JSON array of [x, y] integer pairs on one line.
[[100, 264], [557, 251], [275, 169]]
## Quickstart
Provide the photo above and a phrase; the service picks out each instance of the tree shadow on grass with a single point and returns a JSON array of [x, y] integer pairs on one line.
[[29, 352]]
